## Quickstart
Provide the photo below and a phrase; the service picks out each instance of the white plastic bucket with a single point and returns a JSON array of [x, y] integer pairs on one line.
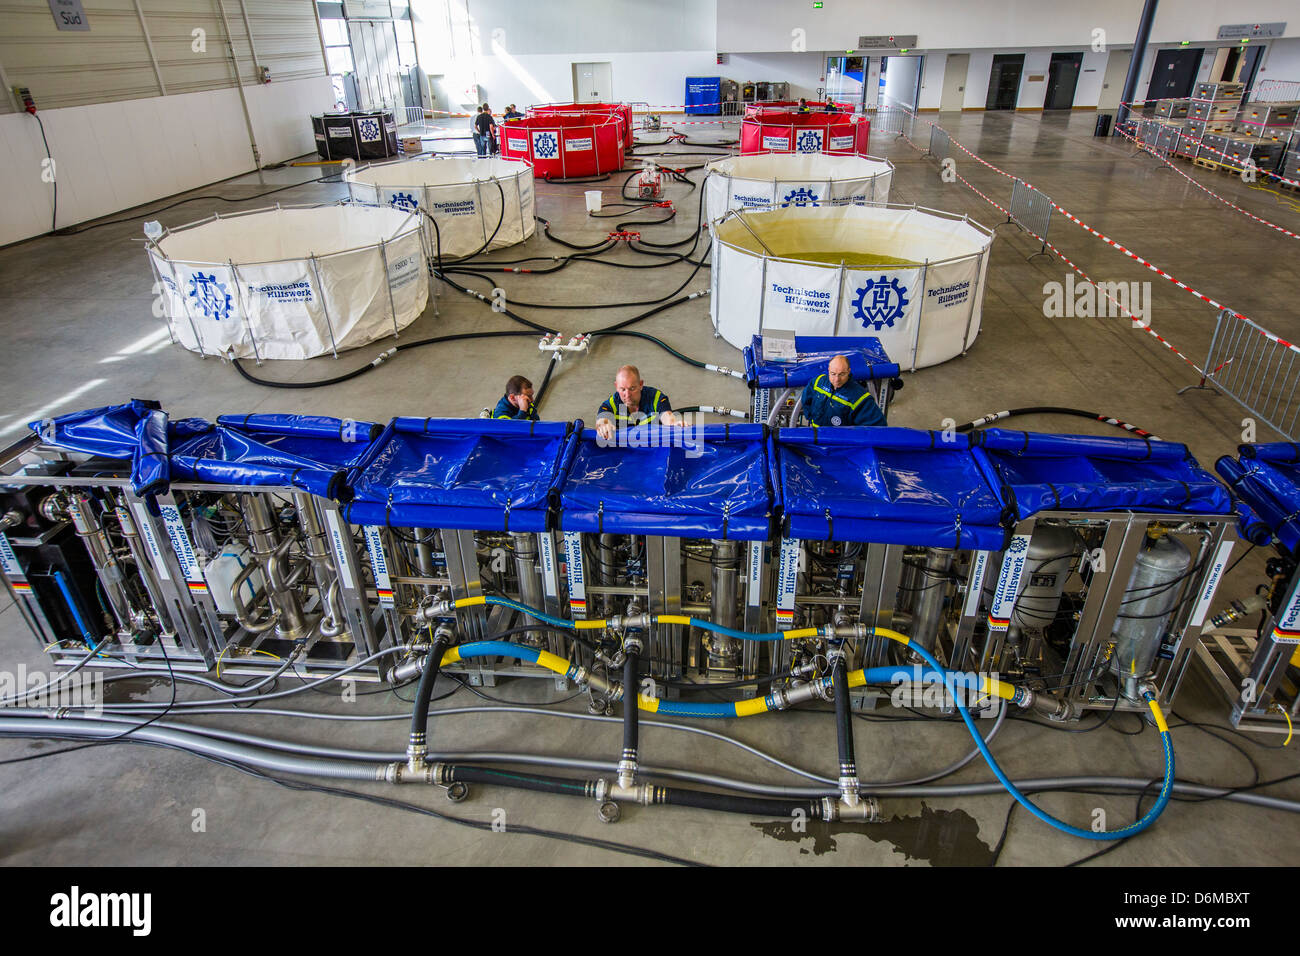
[[593, 200]]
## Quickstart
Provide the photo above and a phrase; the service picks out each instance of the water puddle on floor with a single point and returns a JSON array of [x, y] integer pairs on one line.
[[943, 837], [135, 689]]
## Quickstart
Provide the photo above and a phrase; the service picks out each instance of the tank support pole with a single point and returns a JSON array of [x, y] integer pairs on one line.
[[762, 295], [839, 299], [320, 289], [185, 305], [970, 316], [920, 312], [388, 283], [243, 307], [482, 217], [161, 290], [741, 216]]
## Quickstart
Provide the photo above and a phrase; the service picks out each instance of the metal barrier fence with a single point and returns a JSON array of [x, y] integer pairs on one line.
[[940, 144], [887, 119], [1257, 370], [1031, 210], [1276, 91], [414, 114]]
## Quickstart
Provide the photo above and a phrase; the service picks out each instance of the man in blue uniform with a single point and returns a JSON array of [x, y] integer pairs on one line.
[[834, 398], [517, 402], [633, 403]]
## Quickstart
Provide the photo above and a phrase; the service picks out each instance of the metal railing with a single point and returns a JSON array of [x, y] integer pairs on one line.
[[940, 143], [1031, 210], [1276, 91], [887, 119], [1257, 370]]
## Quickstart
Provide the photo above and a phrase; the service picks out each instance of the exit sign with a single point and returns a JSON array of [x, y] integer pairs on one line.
[[887, 42], [1234, 31]]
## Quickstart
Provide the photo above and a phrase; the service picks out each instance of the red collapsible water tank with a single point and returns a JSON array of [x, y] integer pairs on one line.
[[621, 110], [793, 105], [565, 146], [781, 131]]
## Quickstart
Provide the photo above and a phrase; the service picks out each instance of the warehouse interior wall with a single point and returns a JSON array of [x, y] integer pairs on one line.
[[144, 104], [770, 25], [503, 51]]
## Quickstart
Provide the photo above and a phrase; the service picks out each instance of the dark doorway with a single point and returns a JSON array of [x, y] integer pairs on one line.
[[1250, 67], [1174, 74], [1004, 81], [1062, 78]]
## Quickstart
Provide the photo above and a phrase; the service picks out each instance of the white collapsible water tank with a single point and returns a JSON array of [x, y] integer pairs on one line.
[[910, 276], [478, 204], [794, 179], [292, 282]]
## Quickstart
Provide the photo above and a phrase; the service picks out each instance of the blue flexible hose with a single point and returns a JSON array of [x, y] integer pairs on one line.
[[1166, 789]]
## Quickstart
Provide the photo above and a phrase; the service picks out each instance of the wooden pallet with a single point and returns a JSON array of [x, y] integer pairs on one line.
[[1205, 163]]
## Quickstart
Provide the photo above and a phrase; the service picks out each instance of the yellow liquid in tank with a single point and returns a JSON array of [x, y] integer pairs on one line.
[[850, 259]]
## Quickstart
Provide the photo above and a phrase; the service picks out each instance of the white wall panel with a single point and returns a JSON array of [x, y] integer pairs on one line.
[[111, 61], [112, 156]]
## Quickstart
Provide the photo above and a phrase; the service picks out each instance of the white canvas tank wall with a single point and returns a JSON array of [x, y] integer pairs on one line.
[[292, 282], [746, 182], [913, 277], [475, 202]]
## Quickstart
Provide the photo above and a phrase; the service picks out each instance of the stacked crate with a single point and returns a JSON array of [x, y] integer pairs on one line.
[[1172, 109], [1291, 164]]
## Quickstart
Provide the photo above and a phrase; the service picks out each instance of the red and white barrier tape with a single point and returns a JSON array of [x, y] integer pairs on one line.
[[1206, 189], [1141, 323], [1122, 248]]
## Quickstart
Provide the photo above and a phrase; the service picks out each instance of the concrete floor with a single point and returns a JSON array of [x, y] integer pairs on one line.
[[75, 313]]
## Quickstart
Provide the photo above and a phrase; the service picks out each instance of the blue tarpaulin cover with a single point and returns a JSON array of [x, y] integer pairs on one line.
[[1266, 480], [1045, 472], [469, 474], [309, 452], [136, 431], [867, 360], [705, 481], [889, 485]]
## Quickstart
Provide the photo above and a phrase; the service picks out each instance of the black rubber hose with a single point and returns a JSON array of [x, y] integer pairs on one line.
[[520, 781], [580, 307], [843, 718], [424, 692], [630, 688], [615, 330], [700, 799], [753, 806], [347, 376], [540, 396], [1057, 410]]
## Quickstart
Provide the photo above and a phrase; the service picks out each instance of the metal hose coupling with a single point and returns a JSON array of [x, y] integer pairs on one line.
[[783, 698], [641, 793], [627, 769], [398, 772], [413, 667], [626, 621], [431, 612], [1043, 704], [866, 810]]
